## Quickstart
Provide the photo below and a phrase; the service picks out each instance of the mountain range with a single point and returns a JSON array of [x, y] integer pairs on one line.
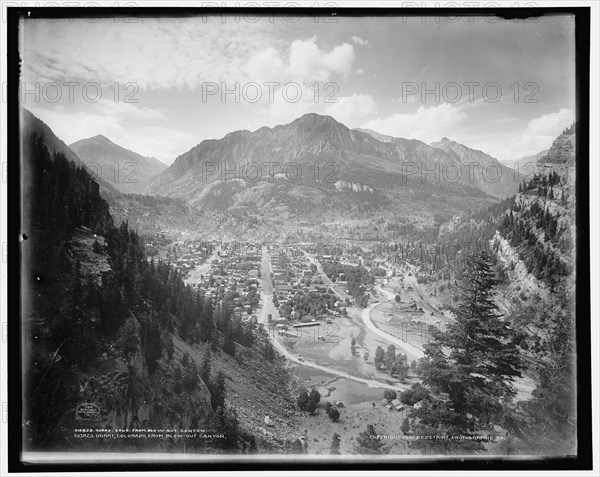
[[317, 170], [311, 174], [382, 163]]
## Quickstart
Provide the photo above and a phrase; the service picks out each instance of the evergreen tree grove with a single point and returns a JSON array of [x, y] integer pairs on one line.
[[471, 365]]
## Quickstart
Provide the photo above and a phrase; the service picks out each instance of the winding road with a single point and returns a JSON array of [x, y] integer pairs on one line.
[[268, 307], [411, 350], [524, 388], [369, 382]]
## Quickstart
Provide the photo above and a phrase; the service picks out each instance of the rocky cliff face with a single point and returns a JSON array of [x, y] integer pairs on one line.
[[563, 148], [517, 270]]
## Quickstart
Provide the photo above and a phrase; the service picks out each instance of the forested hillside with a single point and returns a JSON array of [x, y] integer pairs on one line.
[[107, 326], [532, 239]]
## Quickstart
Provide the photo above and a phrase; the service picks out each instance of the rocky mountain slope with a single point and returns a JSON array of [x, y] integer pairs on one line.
[[533, 239], [315, 164], [563, 148], [127, 171], [526, 164], [146, 214], [487, 173], [33, 125]]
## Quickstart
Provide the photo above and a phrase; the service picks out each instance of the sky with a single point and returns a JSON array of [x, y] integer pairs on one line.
[[159, 86]]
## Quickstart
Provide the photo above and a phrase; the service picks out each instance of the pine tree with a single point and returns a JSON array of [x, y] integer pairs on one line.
[[405, 427], [474, 362], [229, 344], [379, 357], [390, 357], [217, 391], [225, 421], [334, 414], [552, 428], [303, 400], [335, 444], [368, 442], [205, 369], [315, 396], [252, 448]]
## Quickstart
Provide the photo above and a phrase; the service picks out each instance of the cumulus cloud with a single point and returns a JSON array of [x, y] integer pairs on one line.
[[427, 124], [265, 65], [539, 133], [359, 41], [307, 62], [550, 124]]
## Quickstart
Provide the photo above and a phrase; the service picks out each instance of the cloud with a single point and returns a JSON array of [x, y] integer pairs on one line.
[[307, 62], [521, 140], [550, 124], [539, 133], [154, 53], [357, 40], [128, 110], [427, 124], [265, 65], [505, 120], [175, 53], [350, 110]]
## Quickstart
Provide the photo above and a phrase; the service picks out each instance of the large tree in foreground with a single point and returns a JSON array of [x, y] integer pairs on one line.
[[470, 365]]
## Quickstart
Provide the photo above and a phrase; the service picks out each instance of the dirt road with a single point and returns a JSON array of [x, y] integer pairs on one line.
[[196, 274], [412, 351], [268, 307]]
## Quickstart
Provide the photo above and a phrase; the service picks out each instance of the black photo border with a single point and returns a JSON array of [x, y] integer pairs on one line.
[[582, 461]]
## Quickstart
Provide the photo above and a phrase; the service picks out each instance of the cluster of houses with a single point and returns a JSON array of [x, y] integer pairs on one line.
[[234, 273], [188, 254], [397, 405], [293, 277]]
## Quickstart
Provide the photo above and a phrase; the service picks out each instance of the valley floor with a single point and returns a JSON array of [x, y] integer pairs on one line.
[[338, 371]]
